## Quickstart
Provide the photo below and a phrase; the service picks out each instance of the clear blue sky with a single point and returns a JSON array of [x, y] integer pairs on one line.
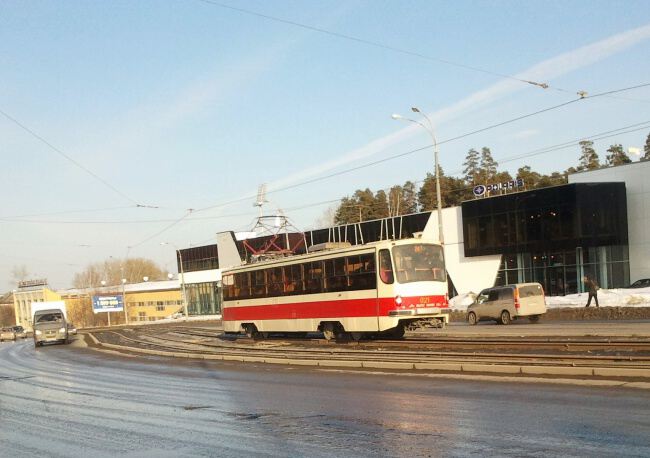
[[187, 104]]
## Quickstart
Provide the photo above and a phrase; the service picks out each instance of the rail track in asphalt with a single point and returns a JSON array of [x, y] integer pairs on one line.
[[551, 351]]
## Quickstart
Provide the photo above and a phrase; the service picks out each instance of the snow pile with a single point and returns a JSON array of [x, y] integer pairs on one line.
[[462, 301], [621, 297]]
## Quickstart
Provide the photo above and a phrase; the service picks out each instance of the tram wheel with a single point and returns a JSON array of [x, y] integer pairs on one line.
[[505, 317], [329, 331], [251, 331]]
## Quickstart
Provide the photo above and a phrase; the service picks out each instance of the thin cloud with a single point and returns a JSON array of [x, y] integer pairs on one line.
[[543, 71]]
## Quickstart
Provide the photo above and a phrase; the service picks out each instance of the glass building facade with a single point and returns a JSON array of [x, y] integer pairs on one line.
[[203, 298], [553, 236]]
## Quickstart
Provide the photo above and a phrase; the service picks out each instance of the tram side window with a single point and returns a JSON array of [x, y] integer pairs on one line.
[[361, 272], [228, 289], [242, 285], [293, 278], [335, 278], [259, 283], [385, 267], [314, 277], [275, 281]]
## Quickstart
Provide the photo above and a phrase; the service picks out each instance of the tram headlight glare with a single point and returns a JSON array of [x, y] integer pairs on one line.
[[398, 300]]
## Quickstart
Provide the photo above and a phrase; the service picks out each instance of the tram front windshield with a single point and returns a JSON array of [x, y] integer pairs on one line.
[[419, 262]]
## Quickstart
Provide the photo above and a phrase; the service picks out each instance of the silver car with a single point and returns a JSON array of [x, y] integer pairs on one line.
[[507, 303], [50, 326], [20, 332], [7, 334]]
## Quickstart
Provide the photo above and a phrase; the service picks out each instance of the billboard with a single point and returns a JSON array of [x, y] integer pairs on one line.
[[103, 304]]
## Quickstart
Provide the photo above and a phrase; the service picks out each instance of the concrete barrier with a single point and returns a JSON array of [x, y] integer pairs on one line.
[[491, 368]]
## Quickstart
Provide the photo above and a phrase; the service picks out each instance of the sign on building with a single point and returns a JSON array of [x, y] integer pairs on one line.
[[104, 304], [32, 283], [483, 189]]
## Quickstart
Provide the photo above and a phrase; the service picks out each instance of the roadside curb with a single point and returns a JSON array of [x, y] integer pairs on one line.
[[503, 372]]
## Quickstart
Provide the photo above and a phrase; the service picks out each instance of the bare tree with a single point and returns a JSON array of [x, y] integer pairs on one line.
[[113, 270], [327, 219], [19, 273], [7, 315]]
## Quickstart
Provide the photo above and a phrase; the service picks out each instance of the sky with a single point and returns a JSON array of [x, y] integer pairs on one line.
[[118, 117]]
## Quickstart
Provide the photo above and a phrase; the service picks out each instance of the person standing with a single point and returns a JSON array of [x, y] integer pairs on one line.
[[592, 288]]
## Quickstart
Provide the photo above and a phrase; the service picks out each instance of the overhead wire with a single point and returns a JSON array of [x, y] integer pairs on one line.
[[72, 160], [416, 150], [594, 137], [66, 212], [376, 44]]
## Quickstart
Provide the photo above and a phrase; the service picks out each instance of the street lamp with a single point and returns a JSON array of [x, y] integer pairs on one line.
[[126, 313], [180, 256], [430, 131]]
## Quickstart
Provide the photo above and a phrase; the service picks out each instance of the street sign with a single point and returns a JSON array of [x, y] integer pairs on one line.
[[104, 304]]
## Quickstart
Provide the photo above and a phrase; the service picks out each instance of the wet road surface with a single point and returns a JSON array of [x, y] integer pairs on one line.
[[70, 401]]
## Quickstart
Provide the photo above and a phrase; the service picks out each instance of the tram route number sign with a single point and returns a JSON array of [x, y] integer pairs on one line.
[[483, 189], [104, 304]]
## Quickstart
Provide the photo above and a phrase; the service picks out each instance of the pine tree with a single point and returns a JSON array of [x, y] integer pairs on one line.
[[402, 200], [471, 165], [488, 165], [530, 178], [409, 198], [617, 155], [588, 158], [646, 149], [379, 207]]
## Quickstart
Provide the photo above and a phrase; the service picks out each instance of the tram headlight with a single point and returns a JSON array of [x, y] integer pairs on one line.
[[398, 300]]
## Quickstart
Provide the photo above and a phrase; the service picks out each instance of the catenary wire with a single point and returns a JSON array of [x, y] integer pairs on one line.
[[396, 156], [70, 159], [594, 137], [407, 52], [376, 44]]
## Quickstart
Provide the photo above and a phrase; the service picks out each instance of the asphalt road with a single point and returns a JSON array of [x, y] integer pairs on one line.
[[71, 401]]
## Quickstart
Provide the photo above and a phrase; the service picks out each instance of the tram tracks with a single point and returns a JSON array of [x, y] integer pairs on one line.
[[375, 351]]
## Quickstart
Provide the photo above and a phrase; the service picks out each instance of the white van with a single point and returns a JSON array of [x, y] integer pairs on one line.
[[507, 303]]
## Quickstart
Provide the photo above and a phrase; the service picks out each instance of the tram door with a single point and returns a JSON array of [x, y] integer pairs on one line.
[[386, 280]]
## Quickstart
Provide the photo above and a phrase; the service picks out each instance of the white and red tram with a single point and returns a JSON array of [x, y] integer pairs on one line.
[[382, 287]]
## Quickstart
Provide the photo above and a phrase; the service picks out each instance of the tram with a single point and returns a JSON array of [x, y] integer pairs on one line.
[[381, 288]]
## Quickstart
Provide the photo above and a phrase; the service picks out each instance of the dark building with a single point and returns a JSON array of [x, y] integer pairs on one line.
[[554, 235]]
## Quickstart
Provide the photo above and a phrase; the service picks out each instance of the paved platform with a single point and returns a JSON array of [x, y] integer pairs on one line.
[[522, 328]]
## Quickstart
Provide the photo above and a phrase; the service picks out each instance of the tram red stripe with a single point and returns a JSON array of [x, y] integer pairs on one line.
[[353, 308]]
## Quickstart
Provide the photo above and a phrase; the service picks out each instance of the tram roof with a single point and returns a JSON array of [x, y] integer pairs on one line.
[[327, 253]]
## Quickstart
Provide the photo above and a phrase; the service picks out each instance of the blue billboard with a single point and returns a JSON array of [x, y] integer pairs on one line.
[[103, 304]]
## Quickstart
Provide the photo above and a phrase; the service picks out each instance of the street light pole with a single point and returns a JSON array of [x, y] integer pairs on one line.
[[126, 314], [430, 131], [180, 256]]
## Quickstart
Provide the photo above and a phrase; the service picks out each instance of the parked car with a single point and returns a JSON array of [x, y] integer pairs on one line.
[[507, 303], [7, 334], [72, 330], [643, 283], [50, 326], [20, 332]]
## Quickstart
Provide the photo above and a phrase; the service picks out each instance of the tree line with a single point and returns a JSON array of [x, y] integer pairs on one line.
[[479, 168]]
